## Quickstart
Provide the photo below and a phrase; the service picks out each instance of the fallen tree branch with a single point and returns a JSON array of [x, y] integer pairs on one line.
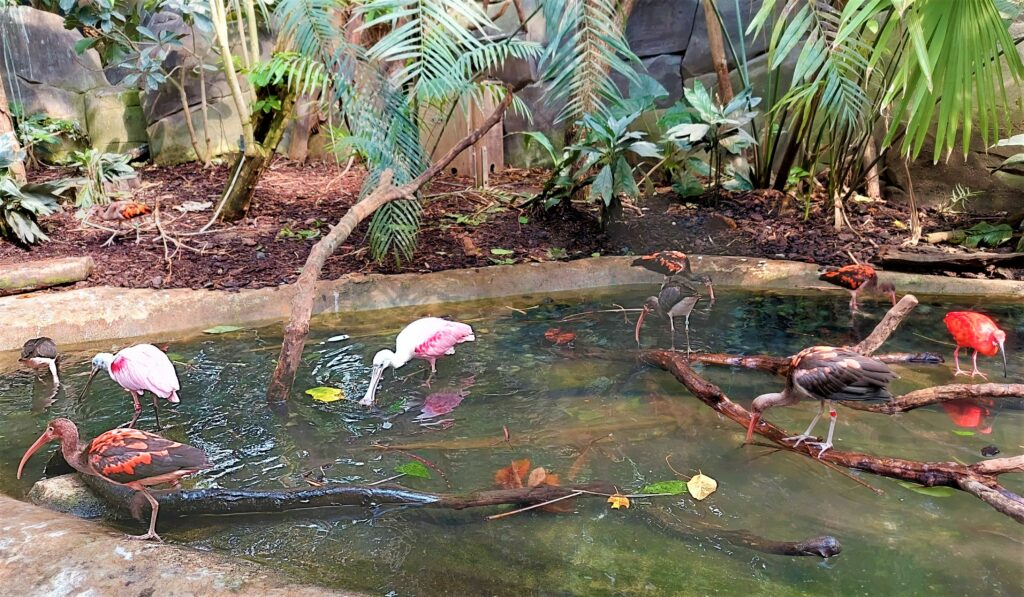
[[887, 326], [939, 394]]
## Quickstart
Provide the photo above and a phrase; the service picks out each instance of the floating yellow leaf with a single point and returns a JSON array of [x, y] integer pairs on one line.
[[701, 486], [325, 394], [618, 501]]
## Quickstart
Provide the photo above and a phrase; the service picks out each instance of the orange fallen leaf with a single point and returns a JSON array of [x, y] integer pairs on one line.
[[559, 336], [537, 477], [511, 477], [618, 501]]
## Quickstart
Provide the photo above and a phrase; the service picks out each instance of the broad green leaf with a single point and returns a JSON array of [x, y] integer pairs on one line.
[[940, 491], [502, 252], [326, 394], [601, 188], [674, 487], [963, 432], [413, 469], [222, 329], [524, 220]]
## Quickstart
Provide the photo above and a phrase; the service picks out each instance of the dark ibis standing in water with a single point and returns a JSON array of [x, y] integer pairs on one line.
[[826, 373], [41, 353], [675, 299], [670, 264], [858, 278], [137, 369], [130, 457], [977, 331]]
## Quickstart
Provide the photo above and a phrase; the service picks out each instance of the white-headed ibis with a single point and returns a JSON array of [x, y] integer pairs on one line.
[[826, 373], [858, 278], [674, 299], [41, 353], [137, 369], [130, 457], [429, 339], [976, 331]]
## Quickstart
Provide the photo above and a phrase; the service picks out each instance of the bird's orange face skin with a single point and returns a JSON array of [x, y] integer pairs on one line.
[[976, 331], [850, 277]]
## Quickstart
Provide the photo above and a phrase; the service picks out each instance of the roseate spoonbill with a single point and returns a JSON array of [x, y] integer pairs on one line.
[[858, 278], [675, 299], [130, 457], [826, 373], [41, 353], [976, 331], [428, 339], [669, 264], [137, 369]]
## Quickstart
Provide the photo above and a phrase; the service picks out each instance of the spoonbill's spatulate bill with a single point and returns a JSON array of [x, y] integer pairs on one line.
[[137, 369], [977, 331], [41, 353], [130, 457], [428, 339], [826, 373]]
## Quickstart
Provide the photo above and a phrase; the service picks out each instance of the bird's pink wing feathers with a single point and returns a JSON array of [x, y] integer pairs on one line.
[[444, 338], [145, 367]]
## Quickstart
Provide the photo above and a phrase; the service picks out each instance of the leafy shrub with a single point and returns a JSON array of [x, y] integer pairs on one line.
[[98, 169], [20, 206]]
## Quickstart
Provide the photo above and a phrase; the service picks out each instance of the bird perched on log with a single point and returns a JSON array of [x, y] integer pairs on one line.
[[977, 331], [130, 457], [826, 373], [857, 278], [670, 264], [137, 369], [429, 339], [674, 299], [41, 353]]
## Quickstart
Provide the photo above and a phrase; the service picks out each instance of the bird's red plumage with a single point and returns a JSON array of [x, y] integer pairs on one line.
[[973, 330], [667, 263], [851, 276], [130, 455]]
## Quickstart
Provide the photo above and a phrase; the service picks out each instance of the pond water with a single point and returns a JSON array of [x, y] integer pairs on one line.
[[554, 404]]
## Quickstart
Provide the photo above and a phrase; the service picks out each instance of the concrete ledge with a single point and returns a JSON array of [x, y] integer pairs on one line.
[[104, 313], [46, 553]]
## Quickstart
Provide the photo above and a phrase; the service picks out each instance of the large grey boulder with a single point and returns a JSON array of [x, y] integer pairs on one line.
[[70, 495], [169, 141], [114, 118]]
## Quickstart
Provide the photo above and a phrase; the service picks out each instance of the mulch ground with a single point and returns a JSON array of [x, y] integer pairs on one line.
[[462, 227]]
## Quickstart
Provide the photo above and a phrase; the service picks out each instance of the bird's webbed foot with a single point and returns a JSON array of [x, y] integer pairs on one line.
[[976, 372], [799, 439], [960, 371]]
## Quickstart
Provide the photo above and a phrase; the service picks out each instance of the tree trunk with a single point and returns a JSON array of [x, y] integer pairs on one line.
[[305, 116], [305, 289], [716, 44], [7, 126]]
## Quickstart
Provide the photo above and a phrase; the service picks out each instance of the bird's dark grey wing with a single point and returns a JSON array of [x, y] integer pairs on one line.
[[683, 307], [39, 347], [839, 374]]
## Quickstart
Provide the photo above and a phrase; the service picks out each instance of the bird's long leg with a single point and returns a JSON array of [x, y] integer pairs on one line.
[[974, 359], [686, 327], [956, 358], [431, 372], [138, 410], [853, 301], [806, 435], [156, 412], [672, 326], [152, 519], [53, 372], [832, 415]]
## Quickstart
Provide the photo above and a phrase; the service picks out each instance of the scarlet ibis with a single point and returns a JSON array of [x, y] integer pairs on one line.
[[137, 369], [130, 457], [976, 331], [675, 299], [428, 339], [669, 264], [826, 373], [41, 353], [858, 278]]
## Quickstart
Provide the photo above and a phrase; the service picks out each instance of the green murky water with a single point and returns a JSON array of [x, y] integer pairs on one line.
[[554, 404]]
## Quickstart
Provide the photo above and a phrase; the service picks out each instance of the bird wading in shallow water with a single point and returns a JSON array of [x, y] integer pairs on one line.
[[671, 264], [428, 339], [673, 300], [858, 278], [137, 369], [130, 457], [41, 353], [826, 373], [977, 331]]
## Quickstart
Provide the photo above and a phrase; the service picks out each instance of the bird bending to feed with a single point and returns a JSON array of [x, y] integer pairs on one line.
[[41, 353], [428, 339], [671, 264], [826, 373], [675, 299], [137, 369], [130, 457], [976, 331], [858, 278]]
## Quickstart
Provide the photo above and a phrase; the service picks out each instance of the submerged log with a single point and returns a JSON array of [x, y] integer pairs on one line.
[[939, 394]]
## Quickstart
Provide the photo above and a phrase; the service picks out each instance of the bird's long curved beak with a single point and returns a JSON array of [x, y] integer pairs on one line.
[[371, 392], [711, 292], [750, 429], [43, 439], [1002, 351], [640, 324], [892, 295], [88, 383]]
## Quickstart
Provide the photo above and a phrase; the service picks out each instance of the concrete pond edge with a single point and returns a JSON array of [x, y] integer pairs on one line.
[[106, 313]]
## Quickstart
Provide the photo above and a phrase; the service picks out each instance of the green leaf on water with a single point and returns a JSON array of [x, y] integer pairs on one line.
[[325, 394], [963, 432], [223, 329], [674, 487], [413, 469], [929, 491]]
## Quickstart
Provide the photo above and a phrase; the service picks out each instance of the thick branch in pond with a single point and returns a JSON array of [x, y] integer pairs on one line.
[[939, 394], [887, 326], [970, 479]]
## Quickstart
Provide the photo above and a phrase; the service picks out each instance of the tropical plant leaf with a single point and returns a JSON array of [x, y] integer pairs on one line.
[[984, 233], [326, 394], [938, 491], [413, 468], [673, 487]]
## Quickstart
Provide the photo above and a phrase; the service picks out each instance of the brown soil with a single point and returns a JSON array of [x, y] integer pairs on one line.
[[461, 228]]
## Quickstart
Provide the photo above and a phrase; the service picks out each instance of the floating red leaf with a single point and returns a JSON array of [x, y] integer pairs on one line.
[[439, 403], [559, 336], [511, 477]]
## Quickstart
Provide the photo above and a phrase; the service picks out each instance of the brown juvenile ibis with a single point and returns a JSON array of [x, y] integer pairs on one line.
[[976, 331], [674, 299], [41, 353], [669, 264], [130, 457], [826, 373], [858, 278]]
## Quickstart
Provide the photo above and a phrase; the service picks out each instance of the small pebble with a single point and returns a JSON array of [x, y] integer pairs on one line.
[[989, 451]]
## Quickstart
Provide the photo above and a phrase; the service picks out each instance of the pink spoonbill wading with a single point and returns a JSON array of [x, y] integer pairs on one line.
[[137, 369], [428, 339]]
